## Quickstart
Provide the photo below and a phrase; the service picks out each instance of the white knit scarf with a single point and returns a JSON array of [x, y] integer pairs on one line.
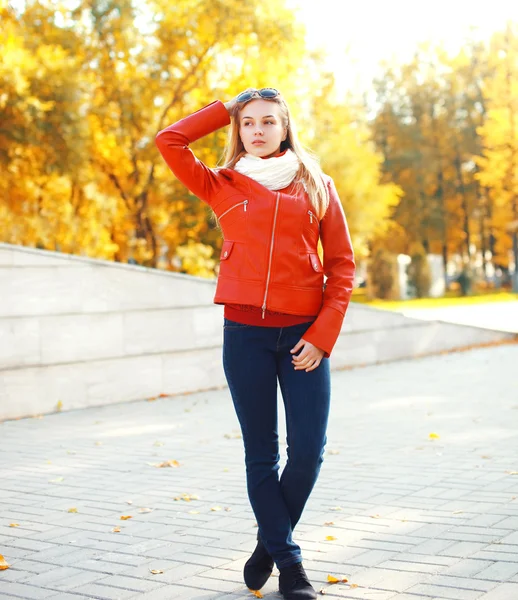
[[274, 173]]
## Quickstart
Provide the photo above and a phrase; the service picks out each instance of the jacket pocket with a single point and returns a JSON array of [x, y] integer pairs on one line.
[[314, 261], [244, 204], [226, 250]]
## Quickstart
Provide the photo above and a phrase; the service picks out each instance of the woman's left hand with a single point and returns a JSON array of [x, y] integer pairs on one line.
[[309, 358]]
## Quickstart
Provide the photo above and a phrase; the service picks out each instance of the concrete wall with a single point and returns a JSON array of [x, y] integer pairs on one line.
[[84, 332]]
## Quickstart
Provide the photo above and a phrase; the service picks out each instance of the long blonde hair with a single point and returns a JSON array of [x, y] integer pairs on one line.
[[309, 174]]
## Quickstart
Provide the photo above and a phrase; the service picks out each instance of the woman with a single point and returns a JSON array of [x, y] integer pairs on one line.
[[280, 320]]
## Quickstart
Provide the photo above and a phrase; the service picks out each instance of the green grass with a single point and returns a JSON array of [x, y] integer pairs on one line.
[[451, 299]]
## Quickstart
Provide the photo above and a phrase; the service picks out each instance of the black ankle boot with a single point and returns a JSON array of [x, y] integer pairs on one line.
[[294, 583], [258, 567]]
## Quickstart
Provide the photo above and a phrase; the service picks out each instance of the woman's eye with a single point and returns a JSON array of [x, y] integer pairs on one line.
[[269, 122]]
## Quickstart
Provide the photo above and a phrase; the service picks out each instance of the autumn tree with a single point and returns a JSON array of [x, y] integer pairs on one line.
[[499, 158]]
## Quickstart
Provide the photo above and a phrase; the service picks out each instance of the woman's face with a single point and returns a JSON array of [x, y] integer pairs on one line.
[[260, 128]]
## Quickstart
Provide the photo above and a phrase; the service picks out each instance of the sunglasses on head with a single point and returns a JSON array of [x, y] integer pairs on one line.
[[266, 93]]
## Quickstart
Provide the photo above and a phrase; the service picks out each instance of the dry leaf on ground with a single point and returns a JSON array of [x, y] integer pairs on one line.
[[116, 530], [145, 510], [14, 524], [256, 593], [186, 497], [330, 538], [167, 463], [72, 510], [337, 508], [434, 436], [155, 571], [215, 508], [328, 523], [126, 517], [3, 563], [333, 579]]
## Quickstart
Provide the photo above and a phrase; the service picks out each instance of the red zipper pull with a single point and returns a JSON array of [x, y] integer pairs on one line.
[[310, 216], [246, 202]]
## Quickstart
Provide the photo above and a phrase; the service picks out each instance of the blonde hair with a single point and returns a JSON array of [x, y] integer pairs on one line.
[[309, 175]]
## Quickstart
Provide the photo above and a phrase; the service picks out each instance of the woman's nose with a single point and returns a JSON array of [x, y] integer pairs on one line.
[[258, 131]]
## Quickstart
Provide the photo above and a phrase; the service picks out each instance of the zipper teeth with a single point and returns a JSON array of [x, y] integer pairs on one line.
[[271, 253], [245, 202]]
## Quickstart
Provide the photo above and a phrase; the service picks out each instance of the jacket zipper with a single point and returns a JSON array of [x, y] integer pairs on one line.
[[245, 202], [271, 253], [311, 215]]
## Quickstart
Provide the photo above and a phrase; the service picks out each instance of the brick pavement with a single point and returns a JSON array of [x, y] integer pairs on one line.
[[413, 517]]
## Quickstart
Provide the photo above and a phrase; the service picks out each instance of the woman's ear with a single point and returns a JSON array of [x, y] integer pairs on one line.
[[285, 134]]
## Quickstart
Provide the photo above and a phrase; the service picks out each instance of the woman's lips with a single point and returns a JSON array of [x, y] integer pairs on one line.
[[258, 143]]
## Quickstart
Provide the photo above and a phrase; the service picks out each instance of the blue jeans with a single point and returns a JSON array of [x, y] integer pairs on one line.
[[254, 358]]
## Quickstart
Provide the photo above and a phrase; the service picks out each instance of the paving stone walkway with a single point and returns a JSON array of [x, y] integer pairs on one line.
[[402, 514]]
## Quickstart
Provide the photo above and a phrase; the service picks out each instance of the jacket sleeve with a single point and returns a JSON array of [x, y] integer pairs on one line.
[[339, 268], [173, 144]]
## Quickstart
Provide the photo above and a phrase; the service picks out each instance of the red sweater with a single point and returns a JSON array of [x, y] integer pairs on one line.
[[252, 315]]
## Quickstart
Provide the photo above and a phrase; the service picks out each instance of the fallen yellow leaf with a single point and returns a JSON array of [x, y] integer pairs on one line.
[[215, 508], [129, 501], [14, 524], [337, 508], [59, 405], [376, 516], [3, 563], [256, 593], [57, 480], [234, 436], [434, 436], [167, 463], [116, 530], [155, 571], [353, 585], [512, 472], [72, 510], [145, 510], [126, 517], [186, 497], [333, 579], [330, 538], [194, 512], [333, 452], [329, 523]]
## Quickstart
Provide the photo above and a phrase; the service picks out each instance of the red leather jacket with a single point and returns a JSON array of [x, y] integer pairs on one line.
[[269, 256]]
